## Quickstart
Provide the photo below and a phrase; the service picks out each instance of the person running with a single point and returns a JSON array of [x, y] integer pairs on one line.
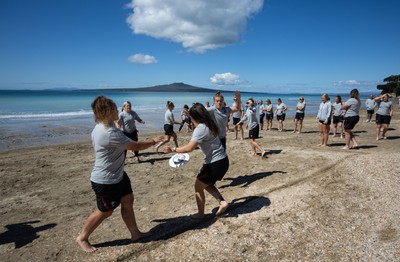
[[220, 114], [269, 113], [370, 103], [254, 128], [280, 112], [299, 117], [338, 114], [383, 115], [169, 122], [109, 181], [324, 119], [351, 118], [236, 116], [216, 162], [126, 122], [185, 119]]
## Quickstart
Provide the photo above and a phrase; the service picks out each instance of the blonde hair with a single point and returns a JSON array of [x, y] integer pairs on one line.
[[125, 104]]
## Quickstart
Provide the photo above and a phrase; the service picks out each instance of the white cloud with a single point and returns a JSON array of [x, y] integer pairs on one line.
[[225, 79], [355, 83], [142, 59], [198, 25]]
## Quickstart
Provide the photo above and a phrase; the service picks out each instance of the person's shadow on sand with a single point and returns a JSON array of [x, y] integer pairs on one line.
[[171, 227], [22, 233], [248, 179]]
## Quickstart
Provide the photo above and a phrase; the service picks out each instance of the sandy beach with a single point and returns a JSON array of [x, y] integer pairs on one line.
[[301, 203]]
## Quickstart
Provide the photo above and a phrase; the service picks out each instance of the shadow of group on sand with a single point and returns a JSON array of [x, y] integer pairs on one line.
[[171, 227]]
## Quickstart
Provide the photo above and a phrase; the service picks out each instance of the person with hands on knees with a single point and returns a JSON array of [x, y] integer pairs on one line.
[[109, 181], [216, 162]]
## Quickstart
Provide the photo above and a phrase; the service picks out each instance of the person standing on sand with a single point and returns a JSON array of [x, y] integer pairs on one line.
[[299, 117], [236, 116], [169, 122], [324, 119], [280, 112], [370, 103], [110, 183], [254, 128], [185, 119], [351, 118], [338, 114], [220, 114], [269, 113], [216, 162], [261, 107], [126, 122], [383, 115]]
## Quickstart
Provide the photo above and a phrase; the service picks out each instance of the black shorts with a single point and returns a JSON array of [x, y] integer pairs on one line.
[[254, 133], [133, 135], [337, 119], [210, 173], [108, 196], [236, 120], [350, 122], [380, 119], [299, 116], [262, 118], [281, 117], [371, 111], [269, 116], [323, 122], [169, 130]]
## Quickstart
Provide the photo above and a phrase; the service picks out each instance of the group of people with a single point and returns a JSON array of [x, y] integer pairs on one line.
[[115, 133], [346, 115]]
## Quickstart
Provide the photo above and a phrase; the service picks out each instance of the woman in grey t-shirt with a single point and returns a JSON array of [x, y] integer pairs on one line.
[[351, 117], [383, 115], [216, 162]]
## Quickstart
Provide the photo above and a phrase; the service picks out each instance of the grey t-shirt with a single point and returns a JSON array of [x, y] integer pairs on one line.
[[354, 107], [109, 145], [251, 117], [384, 108], [337, 109], [302, 105], [169, 117], [325, 111], [127, 121], [269, 109], [210, 145], [220, 118], [370, 104]]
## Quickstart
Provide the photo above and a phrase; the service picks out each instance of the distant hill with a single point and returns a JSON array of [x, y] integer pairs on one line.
[[174, 87]]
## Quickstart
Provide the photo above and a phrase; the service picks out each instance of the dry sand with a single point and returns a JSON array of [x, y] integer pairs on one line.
[[301, 203]]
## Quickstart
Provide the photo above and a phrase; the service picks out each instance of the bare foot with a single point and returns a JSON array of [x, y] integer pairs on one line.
[[263, 154], [346, 148], [254, 154], [85, 245], [223, 205], [377, 139], [319, 145], [197, 216], [139, 235], [294, 131], [323, 145]]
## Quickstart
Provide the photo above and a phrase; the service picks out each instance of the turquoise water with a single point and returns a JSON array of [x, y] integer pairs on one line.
[[32, 118]]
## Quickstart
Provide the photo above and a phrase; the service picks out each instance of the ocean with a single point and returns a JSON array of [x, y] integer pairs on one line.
[[45, 117]]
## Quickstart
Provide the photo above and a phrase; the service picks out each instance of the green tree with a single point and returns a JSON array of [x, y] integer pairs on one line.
[[392, 85]]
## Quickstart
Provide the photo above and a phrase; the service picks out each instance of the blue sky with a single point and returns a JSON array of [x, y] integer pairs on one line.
[[305, 46]]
